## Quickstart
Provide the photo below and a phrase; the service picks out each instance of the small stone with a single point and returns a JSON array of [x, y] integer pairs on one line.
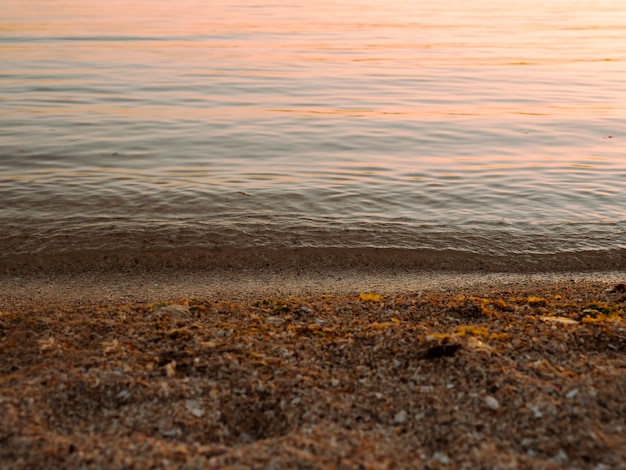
[[476, 344], [492, 403], [275, 321], [109, 347], [442, 458], [46, 344], [400, 417], [536, 411], [572, 393], [170, 369], [174, 312], [172, 432], [334, 382], [195, 408]]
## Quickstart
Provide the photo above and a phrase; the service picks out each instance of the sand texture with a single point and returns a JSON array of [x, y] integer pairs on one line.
[[515, 376]]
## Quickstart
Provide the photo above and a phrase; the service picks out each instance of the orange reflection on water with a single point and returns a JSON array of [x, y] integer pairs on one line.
[[357, 60]]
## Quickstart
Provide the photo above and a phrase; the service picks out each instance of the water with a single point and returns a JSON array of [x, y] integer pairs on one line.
[[483, 128]]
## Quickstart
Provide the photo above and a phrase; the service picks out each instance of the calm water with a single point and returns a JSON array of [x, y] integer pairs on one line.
[[480, 126]]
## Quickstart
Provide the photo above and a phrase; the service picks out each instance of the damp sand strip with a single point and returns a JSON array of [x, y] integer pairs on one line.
[[521, 374]]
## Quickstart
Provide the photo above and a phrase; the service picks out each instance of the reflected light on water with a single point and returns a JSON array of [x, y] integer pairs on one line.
[[466, 118]]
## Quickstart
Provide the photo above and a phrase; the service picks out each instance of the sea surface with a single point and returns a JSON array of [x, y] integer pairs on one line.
[[477, 127]]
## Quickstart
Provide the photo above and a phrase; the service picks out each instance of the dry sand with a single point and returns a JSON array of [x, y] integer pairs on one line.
[[95, 287], [284, 370]]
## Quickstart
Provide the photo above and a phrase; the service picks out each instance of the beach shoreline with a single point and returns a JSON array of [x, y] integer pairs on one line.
[[307, 259]]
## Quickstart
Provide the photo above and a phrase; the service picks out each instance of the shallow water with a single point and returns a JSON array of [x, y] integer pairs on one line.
[[481, 127]]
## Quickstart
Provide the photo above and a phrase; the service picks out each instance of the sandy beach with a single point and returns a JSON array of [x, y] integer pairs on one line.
[[279, 234], [347, 369]]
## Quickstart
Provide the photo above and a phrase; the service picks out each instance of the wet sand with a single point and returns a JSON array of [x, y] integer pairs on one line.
[[342, 369]]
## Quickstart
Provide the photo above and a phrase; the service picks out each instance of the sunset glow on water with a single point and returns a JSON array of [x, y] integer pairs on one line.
[[477, 126]]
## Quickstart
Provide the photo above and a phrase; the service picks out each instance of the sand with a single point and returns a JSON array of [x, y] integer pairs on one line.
[[112, 286], [341, 369]]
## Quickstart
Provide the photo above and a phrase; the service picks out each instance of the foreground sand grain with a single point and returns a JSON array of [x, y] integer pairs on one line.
[[510, 378]]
